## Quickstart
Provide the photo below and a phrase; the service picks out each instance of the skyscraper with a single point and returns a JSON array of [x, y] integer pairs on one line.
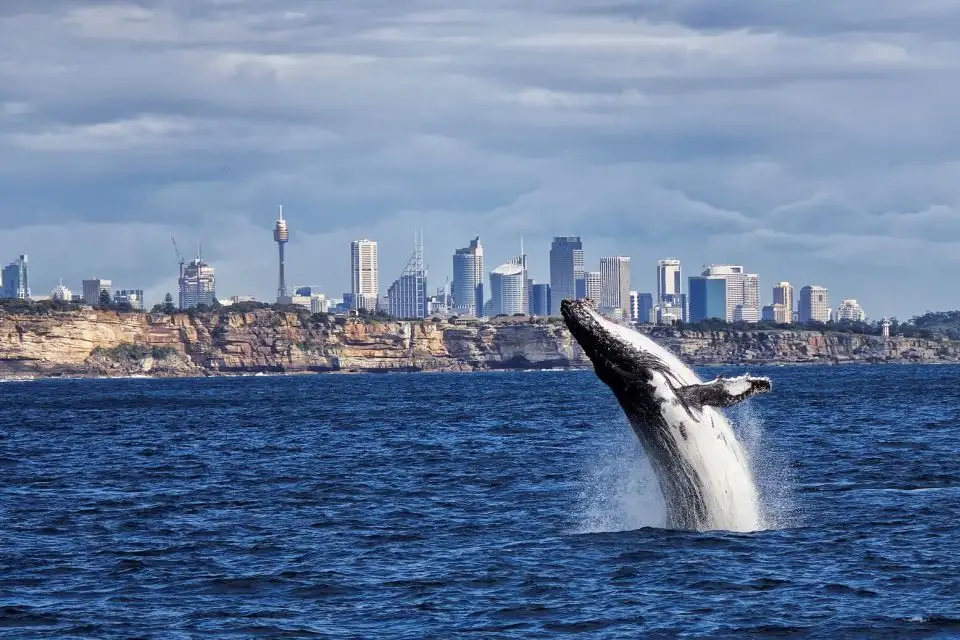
[[708, 298], [468, 277], [814, 304], [92, 288], [743, 292], [566, 270], [281, 236], [669, 280], [749, 309], [783, 295], [14, 279], [408, 296], [507, 289], [615, 285], [593, 286], [645, 307], [365, 274], [198, 285], [540, 300]]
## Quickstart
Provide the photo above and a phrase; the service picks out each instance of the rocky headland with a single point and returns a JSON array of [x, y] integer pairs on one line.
[[108, 343]]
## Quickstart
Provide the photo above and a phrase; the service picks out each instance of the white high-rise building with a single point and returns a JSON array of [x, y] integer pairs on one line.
[[749, 309], [783, 295], [364, 274], [615, 285], [814, 304], [468, 280], [508, 289], [634, 306], [850, 311], [669, 279], [593, 286]]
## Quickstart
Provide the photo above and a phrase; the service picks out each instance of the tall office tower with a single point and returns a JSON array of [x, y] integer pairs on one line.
[[540, 300], [14, 279], [743, 293], [732, 276], [814, 304], [92, 288], [281, 235], [407, 296], [566, 271], [670, 304], [850, 311], [364, 274], [669, 281], [593, 286], [645, 308], [634, 306], [783, 294], [749, 309], [508, 285], [615, 285], [708, 298], [198, 285], [527, 283], [468, 277]]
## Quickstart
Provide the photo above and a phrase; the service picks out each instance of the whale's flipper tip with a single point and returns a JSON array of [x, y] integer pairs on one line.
[[724, 392]]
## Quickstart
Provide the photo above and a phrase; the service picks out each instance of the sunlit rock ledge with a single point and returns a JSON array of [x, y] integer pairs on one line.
[[107, 343]]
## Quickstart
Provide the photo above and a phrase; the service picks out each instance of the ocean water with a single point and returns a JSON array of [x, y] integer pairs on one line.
[[502, 505]]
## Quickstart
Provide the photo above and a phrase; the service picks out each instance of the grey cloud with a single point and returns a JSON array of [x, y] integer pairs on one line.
[[778, 134]]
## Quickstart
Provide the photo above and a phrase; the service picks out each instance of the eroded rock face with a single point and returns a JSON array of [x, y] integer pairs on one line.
[[105, 343]]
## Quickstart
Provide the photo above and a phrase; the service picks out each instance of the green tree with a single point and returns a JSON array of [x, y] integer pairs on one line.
[[168, 303], [104, 302]]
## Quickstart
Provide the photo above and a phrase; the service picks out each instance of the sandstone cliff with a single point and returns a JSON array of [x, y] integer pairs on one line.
[[104, 343]]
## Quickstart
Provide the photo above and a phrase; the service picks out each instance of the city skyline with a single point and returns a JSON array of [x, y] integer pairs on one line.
[[125, 125], [610, 287]]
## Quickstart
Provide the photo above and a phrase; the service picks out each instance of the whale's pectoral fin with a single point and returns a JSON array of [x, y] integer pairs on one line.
[[723, 392]]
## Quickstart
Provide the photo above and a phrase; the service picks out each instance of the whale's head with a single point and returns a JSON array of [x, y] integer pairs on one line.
[[620, 355]]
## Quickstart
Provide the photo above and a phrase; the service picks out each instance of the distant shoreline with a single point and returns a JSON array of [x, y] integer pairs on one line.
[[287, 374]]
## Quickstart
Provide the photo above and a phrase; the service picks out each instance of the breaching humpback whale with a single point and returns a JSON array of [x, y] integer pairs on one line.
[[703, 471]]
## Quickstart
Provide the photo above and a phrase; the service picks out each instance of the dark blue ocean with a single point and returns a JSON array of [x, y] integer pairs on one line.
[[510, 505]]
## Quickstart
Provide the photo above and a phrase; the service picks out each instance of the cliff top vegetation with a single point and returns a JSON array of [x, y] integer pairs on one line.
[[930, 325]]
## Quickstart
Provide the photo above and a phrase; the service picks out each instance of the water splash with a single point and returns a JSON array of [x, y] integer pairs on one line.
[[620, 490], [770, 467]]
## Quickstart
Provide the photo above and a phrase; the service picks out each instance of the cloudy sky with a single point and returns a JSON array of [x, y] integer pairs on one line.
[[815, 142]]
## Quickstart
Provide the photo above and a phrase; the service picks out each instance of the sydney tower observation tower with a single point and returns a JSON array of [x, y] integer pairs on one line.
[[281, 236]]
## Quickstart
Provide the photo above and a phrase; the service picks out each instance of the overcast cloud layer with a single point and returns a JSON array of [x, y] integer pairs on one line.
[[815, 142]]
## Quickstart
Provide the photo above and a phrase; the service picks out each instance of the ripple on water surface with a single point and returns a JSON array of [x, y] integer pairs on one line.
[[411, 506]]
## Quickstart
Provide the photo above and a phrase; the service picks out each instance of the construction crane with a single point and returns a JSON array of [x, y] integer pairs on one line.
[[180, 281]]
